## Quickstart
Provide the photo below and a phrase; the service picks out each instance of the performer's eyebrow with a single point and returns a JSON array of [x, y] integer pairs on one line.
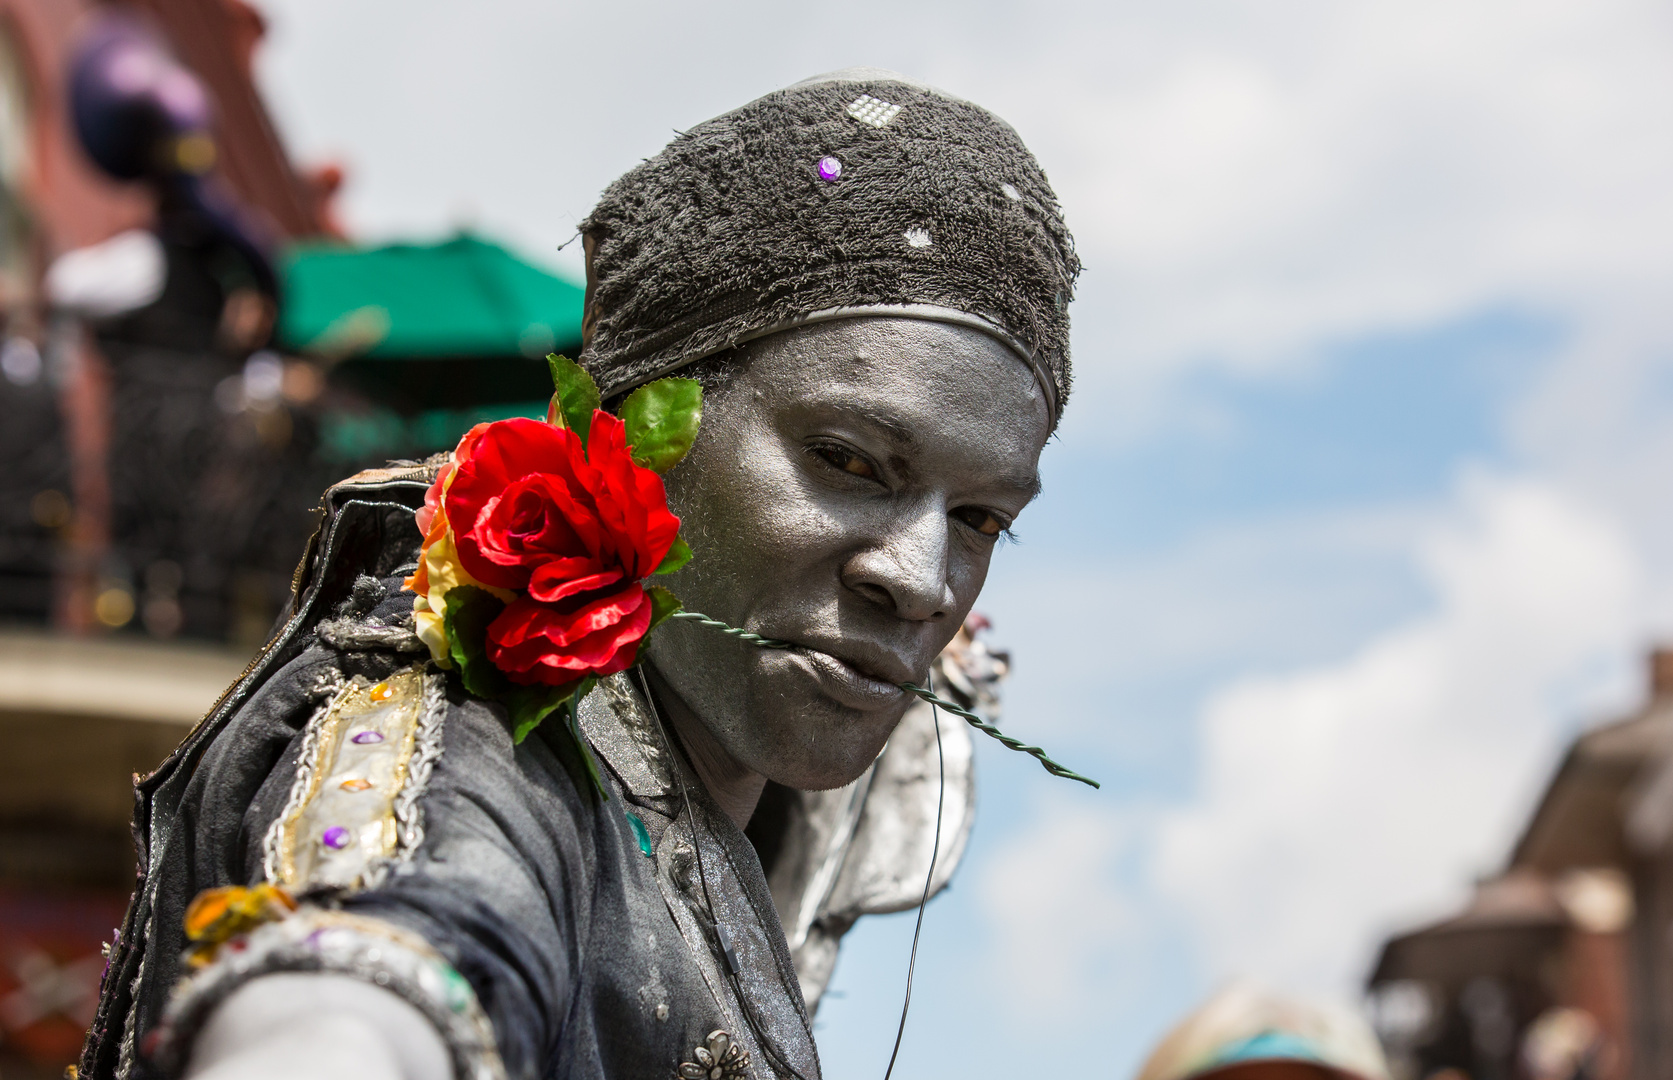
[[894, 429]]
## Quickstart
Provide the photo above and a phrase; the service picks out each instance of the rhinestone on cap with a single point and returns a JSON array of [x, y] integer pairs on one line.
[[918, 236], [829, 168], [335, 837], [874, 111], [361, 738]]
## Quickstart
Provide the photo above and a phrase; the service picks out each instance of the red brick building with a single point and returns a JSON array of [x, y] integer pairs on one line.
[[67, 202], [80, 716], [1572, 941]]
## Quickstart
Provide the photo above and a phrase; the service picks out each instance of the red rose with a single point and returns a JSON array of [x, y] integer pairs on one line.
[[575, 528]]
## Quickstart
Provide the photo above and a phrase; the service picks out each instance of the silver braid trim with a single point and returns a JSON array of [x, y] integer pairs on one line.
[[427, 749], [352, 636], [130, 1033], [273, 844], [368, 949]]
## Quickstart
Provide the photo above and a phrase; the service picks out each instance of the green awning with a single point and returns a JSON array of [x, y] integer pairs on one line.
[[462, 298]]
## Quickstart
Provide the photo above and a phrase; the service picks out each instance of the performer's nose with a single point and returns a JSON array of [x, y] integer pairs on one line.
[[906, 569]]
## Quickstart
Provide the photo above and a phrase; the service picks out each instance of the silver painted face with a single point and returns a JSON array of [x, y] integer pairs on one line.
[[845, 493]]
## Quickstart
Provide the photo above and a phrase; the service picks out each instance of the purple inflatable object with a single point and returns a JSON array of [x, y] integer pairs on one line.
[[132, 101]]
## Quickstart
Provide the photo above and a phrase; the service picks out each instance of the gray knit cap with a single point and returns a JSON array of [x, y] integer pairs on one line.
[[862, 192]]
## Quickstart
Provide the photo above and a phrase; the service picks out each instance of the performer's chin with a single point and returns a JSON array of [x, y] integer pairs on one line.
[[828, 722]]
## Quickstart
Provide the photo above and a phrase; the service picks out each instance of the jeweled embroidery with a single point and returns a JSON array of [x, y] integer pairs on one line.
[[353, 806]]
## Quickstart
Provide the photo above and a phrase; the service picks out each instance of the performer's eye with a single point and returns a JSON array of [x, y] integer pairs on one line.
[[983, 521], [840, 457]]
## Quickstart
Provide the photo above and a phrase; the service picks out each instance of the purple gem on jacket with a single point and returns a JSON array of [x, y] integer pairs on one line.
[[365, 737], [335, 837], [829, 168]]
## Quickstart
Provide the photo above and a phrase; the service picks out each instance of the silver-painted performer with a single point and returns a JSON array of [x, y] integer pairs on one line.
[[351, 868]]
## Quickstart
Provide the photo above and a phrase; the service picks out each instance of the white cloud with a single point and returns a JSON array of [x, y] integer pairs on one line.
[[1205, 599], [1251, 185], [1062, 923], [1245, 182], [1338, 801]]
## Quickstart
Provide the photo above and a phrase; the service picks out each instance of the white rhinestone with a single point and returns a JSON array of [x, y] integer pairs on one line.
[[874, 111], [1011, 192], [918, 237]]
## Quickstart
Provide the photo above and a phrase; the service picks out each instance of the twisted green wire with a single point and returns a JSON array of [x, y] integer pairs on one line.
[[1005, 740], [743, 635], [969, 717]]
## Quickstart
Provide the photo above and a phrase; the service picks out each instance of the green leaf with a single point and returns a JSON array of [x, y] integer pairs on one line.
[[469, 611], [662, 419], [574, 396], [581, 740], [530, 706], [678, 555], [582, 691], [663, 604]]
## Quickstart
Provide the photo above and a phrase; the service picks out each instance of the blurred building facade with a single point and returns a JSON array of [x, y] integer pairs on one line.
[[190, 352], [1561, 967], [110, 411], [144, 190]]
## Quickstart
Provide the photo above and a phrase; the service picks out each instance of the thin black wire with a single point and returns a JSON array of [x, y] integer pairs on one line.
[[929, 879], [728, 957], [935, 703]]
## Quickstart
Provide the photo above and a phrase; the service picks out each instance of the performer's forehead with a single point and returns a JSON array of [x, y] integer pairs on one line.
[[904, 380]]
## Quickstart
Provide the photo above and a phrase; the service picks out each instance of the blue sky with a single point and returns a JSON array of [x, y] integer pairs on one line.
[[1358, 510], [1383, 418]]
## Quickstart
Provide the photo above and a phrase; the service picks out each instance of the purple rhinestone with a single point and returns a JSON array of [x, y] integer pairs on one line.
[[335, 837], [365, 737], [829, 168]]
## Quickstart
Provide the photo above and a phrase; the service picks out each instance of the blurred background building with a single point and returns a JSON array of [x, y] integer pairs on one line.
[[1561, 966], [190, 351]]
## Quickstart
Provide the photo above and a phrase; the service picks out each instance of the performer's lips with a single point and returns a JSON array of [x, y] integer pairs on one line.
[[862, 678]]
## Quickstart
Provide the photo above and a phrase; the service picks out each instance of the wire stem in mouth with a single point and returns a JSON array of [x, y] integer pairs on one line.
[[969, 717], [743, 635]]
